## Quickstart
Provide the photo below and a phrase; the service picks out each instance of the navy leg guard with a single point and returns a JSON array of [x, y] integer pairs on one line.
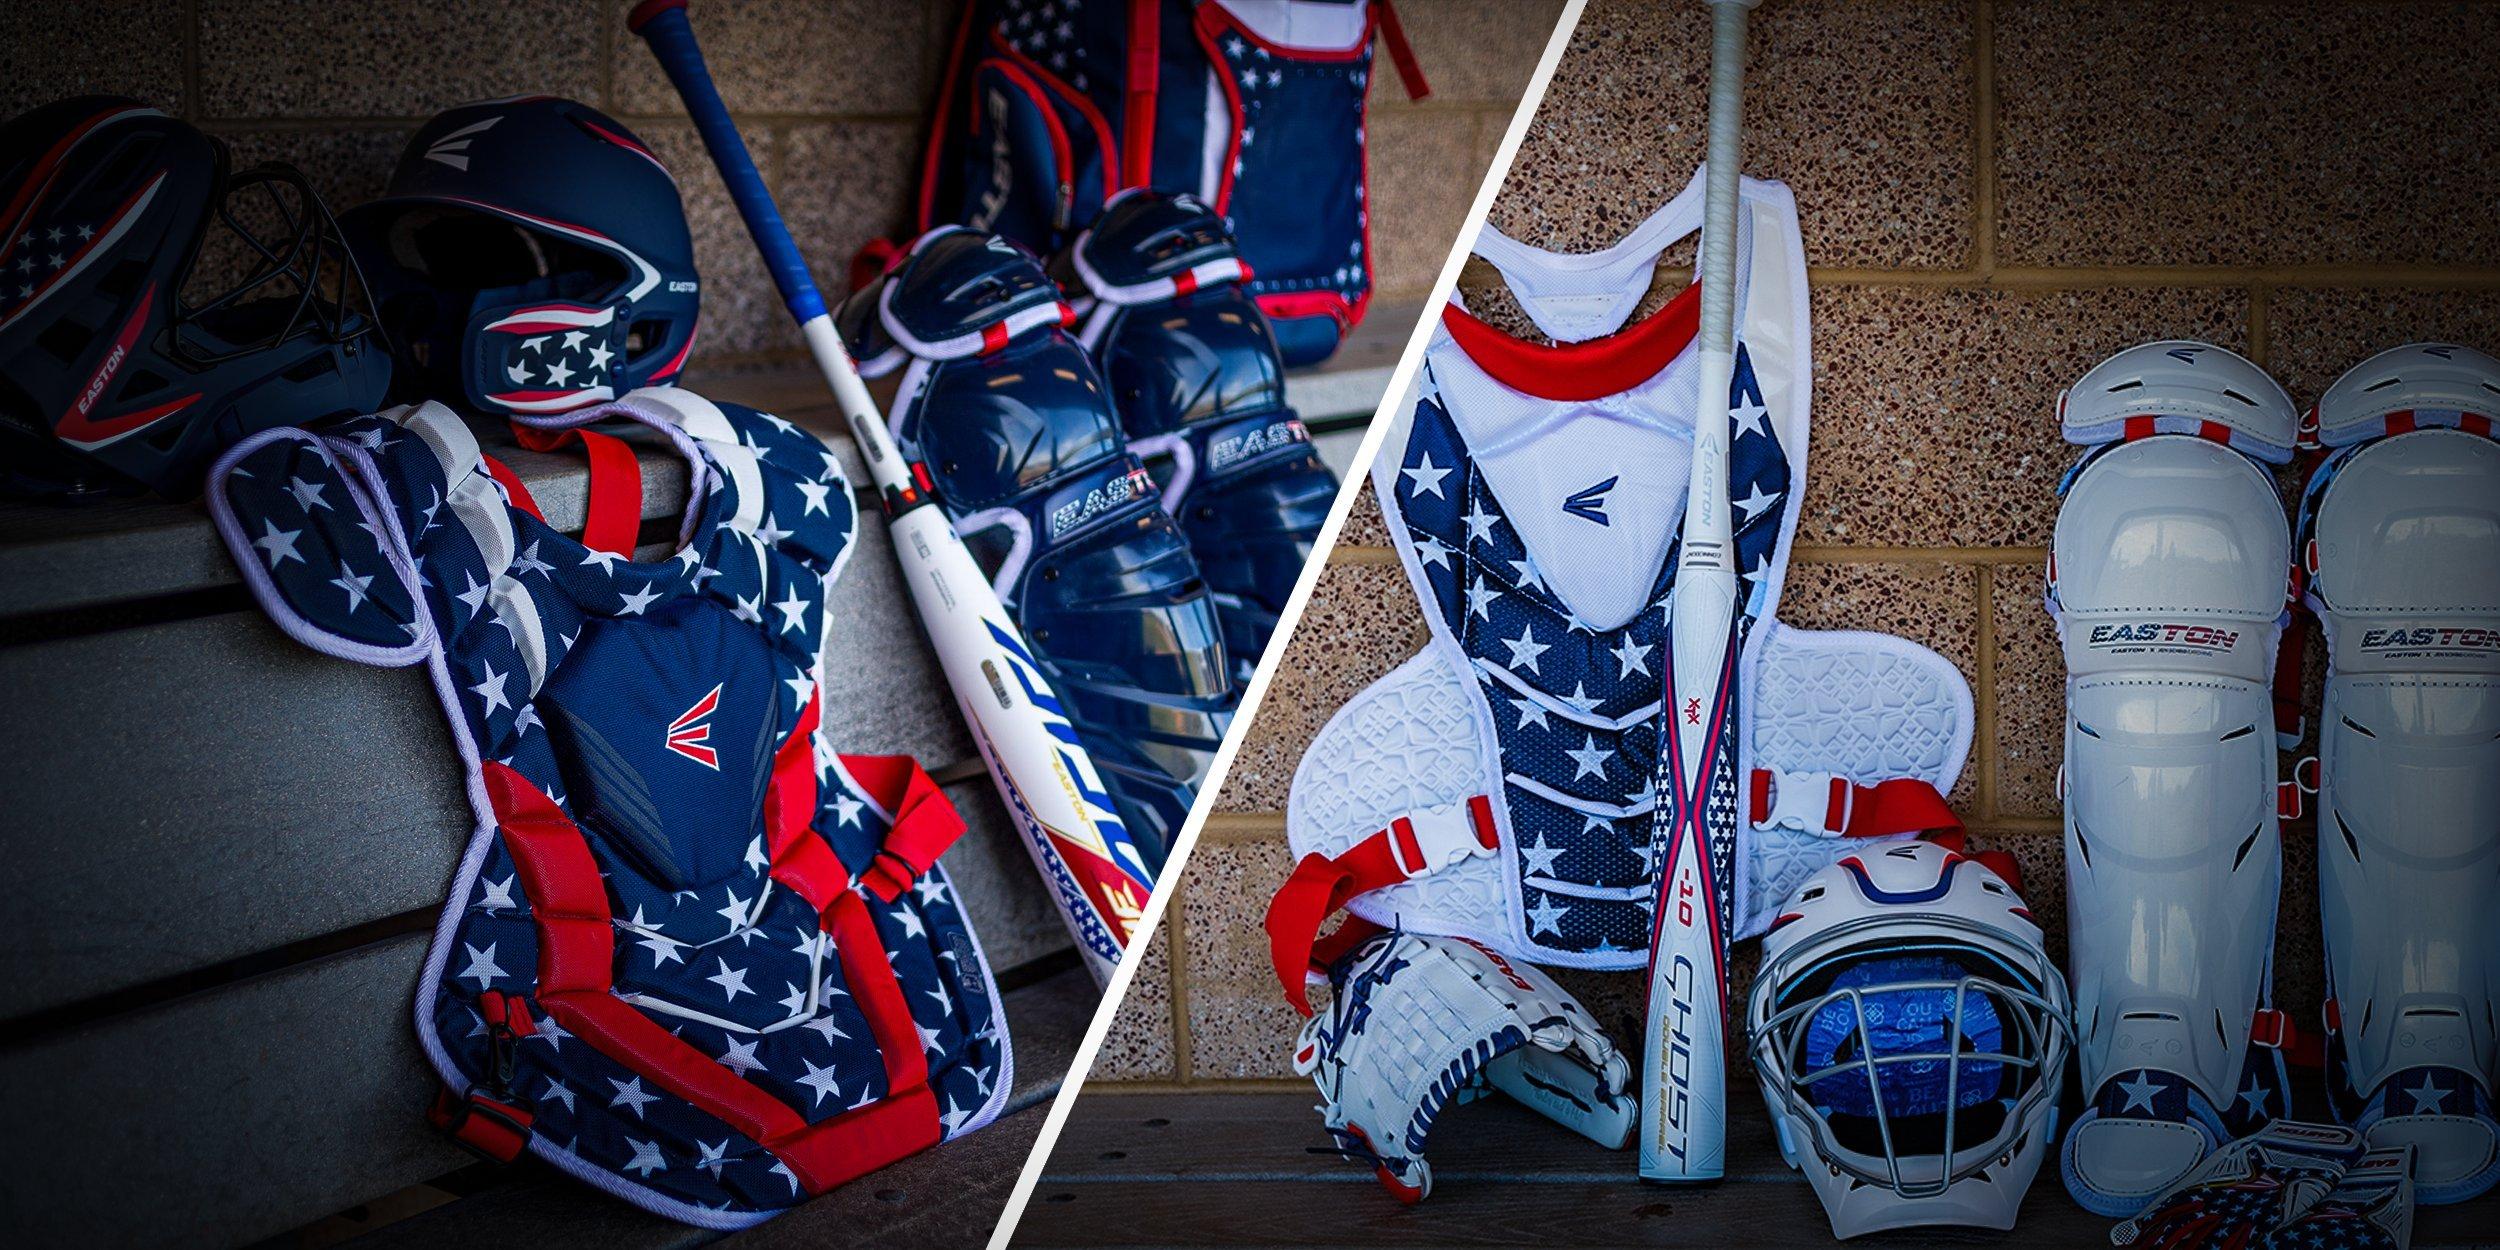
[[1196, 376], [1013, 431]]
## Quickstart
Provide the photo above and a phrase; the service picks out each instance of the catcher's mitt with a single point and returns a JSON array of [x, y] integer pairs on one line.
[[1417, 1022]]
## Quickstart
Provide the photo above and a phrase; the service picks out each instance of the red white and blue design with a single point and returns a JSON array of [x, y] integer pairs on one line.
[[693, 956], [1500, 785], [1050, 108], [530, 256], [1909, 1035], [1287, 166]]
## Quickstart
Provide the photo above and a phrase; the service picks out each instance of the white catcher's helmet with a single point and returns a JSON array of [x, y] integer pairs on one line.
[[1910, 1036]]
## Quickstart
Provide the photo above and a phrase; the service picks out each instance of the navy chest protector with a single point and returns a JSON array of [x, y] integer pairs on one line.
[[1048, 109], [692, 956]]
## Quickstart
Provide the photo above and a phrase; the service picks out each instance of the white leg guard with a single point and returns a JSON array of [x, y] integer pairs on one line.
[[2169, 579], [2402, 530]]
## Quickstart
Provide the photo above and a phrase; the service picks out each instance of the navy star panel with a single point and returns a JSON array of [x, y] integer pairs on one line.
[[1587, 880], [1297, 201], [648, 701]]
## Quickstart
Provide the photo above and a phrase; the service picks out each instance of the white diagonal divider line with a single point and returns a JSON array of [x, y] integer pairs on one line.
[[1400, 381]]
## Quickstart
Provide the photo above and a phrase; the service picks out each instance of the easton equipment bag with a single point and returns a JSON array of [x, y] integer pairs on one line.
[[1048, 108], [691, 956]]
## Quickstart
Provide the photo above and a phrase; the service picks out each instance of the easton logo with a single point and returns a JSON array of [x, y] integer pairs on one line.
[[2432, 637], [2184, 355], [1134, 484], [690, 735], [452, 149], [1589, 502], [2179, 634], [1234, 449]]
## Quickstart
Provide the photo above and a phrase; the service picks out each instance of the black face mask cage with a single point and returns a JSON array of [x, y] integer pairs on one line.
[[2034, 1025], [293, 273]]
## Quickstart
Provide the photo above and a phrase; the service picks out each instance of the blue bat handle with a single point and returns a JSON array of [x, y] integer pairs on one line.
[[663, 24]]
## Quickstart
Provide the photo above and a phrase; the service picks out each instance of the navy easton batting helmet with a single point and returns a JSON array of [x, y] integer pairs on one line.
[[530, 256], [135, 340]]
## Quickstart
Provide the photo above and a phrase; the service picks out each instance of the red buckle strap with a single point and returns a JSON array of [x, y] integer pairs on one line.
[[1320, 887], [925, 821], [2275, 1030], [490, 1129], [613, 519], [1838, 807]]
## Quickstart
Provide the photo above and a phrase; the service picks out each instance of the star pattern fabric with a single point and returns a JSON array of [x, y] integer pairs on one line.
[[1574, 708], [585, 673], [1292, 149], [50, 246], [1047, 32]]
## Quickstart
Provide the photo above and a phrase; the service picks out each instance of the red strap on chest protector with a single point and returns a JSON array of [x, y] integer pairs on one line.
[[1320, 887], [576, 939], [613, 520], [1894, 806], [513, 488], [924, 823]]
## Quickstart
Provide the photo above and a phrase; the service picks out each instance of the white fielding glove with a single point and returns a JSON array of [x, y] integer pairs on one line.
[[1417, 1021]]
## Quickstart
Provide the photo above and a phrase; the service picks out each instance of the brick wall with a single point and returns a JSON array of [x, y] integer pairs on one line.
[[829, 95], [1994, 196]]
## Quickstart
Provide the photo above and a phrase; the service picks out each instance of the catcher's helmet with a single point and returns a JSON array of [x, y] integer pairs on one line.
[[1910, 1036], [530, 256], [136, 342]]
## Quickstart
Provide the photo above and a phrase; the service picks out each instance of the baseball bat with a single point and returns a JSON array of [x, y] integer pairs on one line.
[[1683, 1061], [1050, 787]]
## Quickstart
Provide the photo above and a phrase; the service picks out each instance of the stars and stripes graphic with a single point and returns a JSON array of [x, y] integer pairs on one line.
[[764, 962], [1289, 139], [555, 358], [1574, 707], [1046, 33]]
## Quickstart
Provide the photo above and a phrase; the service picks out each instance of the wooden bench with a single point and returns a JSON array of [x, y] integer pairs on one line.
[[1238, 1169], [227, 853]]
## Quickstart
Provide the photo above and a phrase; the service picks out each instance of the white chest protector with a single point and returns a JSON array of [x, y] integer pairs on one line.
[[1498, 786], [2400, 547]]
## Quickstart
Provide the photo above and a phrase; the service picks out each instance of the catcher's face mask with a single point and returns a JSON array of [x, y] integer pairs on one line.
[[1910, 1052]]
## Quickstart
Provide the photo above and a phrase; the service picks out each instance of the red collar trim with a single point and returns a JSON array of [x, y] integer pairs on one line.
[[1580, 371]]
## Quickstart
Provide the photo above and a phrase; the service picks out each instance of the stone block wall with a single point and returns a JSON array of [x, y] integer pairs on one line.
[[1994, 195]]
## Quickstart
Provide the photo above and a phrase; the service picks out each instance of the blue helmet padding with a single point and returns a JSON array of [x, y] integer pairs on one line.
[[1903, 1021], [606, 230]]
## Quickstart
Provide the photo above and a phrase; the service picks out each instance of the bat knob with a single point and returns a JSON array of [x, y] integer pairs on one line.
[[643, 13]]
